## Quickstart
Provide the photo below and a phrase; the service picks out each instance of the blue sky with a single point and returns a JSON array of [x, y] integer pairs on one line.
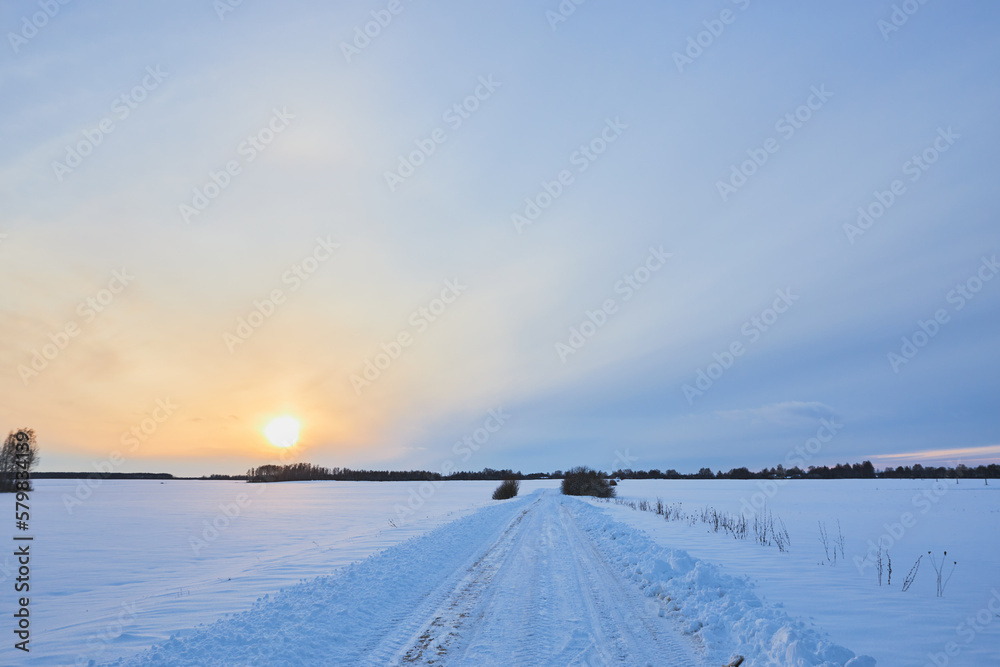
[[663, 133]]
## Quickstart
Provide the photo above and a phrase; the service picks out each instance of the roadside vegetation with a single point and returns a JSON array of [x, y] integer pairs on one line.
[[507, 489], [583, 481]]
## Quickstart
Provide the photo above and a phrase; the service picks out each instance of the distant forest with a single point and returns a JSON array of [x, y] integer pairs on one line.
[[101, 475], [299, 472], [863, 470]]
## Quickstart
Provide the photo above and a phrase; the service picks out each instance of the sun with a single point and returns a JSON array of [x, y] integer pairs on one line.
[[283, 431]]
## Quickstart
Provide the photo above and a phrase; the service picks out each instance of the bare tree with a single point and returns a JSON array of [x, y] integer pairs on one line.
[[18, 458]]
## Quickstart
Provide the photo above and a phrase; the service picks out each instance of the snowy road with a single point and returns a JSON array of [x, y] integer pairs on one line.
[[543, 594], [517, 583]]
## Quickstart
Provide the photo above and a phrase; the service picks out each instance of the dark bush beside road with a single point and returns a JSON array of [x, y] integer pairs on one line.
[[507, 489], [583, 481]]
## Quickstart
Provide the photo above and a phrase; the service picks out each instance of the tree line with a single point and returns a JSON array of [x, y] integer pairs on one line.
[[300, 472], [20, 453], [864, 470], [104, 475]]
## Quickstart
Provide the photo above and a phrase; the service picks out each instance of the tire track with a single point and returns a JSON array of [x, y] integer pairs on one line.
[[543, 594]]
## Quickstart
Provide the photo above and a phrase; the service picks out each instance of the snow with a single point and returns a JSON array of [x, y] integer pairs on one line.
[[721, 610], [119, 573], [845, 601], [534, 596], [586, 579]]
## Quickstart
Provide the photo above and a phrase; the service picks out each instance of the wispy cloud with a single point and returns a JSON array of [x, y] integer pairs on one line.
[[951, 457], [787, 413]]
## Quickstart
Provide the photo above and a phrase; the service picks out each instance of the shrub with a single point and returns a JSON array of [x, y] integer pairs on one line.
[[507, 489], [583, 481]]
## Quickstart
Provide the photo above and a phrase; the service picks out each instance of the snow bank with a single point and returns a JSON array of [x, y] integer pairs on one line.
[[719, 609]]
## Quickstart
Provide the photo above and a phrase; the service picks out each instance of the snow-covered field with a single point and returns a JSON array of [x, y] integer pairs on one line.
[[121, 572], [538, 580], [911, 517]]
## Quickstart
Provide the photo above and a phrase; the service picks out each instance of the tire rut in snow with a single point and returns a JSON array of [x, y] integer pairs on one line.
[[436, 638], [628, 625], [410, 628], [543, 594]]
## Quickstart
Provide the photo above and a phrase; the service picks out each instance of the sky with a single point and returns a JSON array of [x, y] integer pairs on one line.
[[525, 235]]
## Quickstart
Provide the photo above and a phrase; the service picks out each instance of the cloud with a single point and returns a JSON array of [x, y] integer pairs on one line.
[[788, 413], [950, 457]]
